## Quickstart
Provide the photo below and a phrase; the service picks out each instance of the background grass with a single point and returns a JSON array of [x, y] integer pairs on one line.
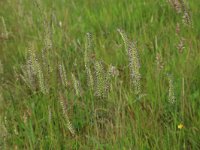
[[33, 120]]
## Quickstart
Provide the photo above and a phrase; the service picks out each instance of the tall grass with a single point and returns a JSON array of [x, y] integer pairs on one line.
[[99, 74]]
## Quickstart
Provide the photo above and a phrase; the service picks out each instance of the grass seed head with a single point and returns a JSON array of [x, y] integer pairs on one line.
[[64, 110], [181, 46], [76, 84], [99, 79], [171, 95], [62, 74], [90, 80], [159, 62], [124, 38]]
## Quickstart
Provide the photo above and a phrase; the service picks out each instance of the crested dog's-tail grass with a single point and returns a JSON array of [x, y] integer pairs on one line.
[[99, 79], [64, 110], [76, 84], [134, 62], [181, 8], [32, 73], [124, 38], [90, 80], [176, 4], [102, 80], [47, 35], [62, 74], [40, 76], [159, 62], [171, 95]]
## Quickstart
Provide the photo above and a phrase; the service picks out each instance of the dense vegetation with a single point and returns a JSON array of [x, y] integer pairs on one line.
[[100, 74]]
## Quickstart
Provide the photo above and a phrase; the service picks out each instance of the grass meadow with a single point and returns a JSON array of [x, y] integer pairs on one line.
[[100, 74]]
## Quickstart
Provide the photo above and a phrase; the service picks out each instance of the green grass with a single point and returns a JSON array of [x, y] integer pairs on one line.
[[39, 116]]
